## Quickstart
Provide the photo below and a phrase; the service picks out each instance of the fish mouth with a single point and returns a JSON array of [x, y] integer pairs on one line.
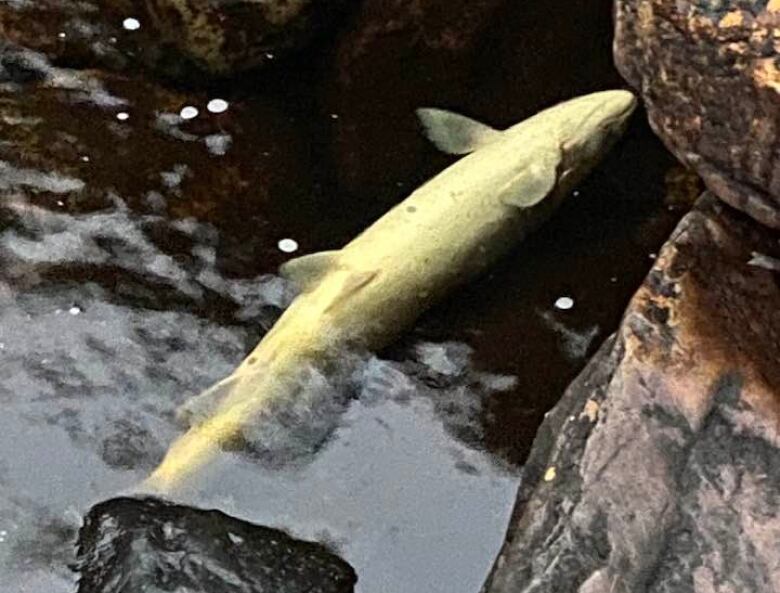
[[632, 105], [616, 123], [629, 107]]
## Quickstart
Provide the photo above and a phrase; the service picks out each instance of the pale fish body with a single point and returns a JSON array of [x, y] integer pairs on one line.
[[443, 234]]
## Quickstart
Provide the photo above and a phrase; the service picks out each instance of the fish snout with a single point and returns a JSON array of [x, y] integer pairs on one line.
[[624, 103]]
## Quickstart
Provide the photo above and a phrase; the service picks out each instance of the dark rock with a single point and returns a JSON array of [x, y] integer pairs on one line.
[[228, 36], [659, 470], [708, 72], [130, 545]]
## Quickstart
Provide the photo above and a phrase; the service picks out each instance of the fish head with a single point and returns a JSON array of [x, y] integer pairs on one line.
[[587, 127]]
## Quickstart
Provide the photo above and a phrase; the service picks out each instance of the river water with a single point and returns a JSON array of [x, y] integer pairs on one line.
[[138, 253]]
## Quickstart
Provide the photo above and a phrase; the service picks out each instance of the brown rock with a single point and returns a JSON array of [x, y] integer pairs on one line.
[[709, 75], [659, 470]]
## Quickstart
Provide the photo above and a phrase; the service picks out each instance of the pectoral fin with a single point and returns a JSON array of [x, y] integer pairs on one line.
[[453, 133], [533, 183], [306, 271]]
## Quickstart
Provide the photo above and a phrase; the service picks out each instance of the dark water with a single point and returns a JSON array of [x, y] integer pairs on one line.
[[138, 259]]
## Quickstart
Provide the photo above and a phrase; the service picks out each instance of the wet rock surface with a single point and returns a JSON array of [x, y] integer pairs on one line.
[[132, 545], [709, 75], [659, 470]]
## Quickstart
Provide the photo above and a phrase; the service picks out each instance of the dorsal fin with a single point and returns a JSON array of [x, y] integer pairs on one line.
[[453, 133], [307, 270]]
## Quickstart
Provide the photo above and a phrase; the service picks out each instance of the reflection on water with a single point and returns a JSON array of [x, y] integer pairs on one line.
[[412, 509], [91, 378]]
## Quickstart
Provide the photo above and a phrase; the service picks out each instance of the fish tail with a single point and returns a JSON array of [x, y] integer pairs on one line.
[[194, 449]]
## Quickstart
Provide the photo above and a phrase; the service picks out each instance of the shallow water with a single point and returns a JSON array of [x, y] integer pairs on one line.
[[90, 386], [138, 256]]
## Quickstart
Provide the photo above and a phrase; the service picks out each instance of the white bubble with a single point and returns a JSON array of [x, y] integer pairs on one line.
[[288, 245], [74, 310], [189, 112], [217, 106], [85, 158], [334, 116], [564, 303], [123, 116], [61, 35], [131, 24]]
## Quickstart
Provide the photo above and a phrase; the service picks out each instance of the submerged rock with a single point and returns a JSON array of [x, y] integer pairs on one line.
[[76, 140], [709, 75], [130, 545], [228, 36], [179, 38], [659, 470], [81, 33]]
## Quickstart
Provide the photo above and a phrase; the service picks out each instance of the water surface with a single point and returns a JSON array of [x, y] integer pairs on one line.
[[139, 252]]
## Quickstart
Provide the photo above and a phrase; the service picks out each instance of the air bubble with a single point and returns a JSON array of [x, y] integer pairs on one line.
[[217, 106], [189, 112], [288, 245], [131, 24]]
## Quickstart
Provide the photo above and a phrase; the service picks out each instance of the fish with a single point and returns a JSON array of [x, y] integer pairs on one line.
[[448, 231]]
